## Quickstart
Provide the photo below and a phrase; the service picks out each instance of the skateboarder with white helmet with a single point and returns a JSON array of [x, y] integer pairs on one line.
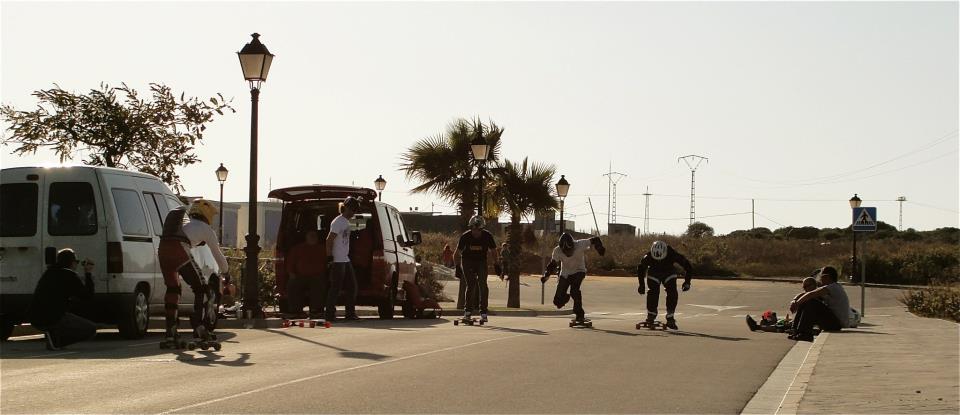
[[569, 263], [657, 268], [184, 229]]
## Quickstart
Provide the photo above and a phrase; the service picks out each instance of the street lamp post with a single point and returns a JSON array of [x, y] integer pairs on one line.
[[380, 185], [563, 187], [480, 148], [255, 61], [855, 203], [221, 177]]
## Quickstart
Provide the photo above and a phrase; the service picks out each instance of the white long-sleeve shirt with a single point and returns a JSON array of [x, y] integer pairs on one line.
[[199, 232]]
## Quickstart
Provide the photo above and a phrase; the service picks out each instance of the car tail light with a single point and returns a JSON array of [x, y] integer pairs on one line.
[[114, 258]]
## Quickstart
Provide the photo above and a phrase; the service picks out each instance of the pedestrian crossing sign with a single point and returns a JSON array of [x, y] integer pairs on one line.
[[865, 219]]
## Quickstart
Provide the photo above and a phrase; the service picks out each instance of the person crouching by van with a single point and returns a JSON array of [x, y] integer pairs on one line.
[[306, 268], [48, 309], [184, 229], [340, 269]]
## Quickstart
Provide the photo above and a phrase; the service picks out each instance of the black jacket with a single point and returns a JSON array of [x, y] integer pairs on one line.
[[51, 299], [664, 267]]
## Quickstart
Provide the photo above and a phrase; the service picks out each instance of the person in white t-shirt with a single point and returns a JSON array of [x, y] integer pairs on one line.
[[340, 269], [569, 263]]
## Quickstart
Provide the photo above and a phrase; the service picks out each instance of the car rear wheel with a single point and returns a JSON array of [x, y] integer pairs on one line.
[[409, 311], [385, 309], [135, 315]]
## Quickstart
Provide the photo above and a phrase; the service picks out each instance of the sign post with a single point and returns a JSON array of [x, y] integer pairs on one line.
[[864, 220]]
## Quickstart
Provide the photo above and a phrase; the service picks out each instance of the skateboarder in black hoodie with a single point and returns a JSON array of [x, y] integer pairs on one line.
[[657, 268]]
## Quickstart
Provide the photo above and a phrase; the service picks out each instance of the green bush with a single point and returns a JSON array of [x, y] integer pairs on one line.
[[941, 301]]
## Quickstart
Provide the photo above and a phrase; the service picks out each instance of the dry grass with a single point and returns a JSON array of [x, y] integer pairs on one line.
[[939, 301]]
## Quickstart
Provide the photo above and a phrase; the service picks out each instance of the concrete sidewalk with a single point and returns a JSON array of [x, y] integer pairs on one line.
[[895, 362]]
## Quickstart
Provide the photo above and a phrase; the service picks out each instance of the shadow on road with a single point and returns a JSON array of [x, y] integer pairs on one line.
[[396, 324], [209, 358], [661, 333], [518, 331], [709, 336], [350, 354], [109, 345]]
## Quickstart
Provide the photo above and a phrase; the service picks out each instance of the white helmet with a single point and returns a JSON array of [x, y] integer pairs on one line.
[[659, 250], [477, 222]]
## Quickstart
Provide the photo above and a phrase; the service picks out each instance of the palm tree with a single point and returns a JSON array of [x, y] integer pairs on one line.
[[443, 164], [520, 190]]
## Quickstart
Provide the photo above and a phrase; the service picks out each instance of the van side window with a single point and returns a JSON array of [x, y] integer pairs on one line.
[[398, 230], [18, 209], [172, 203], [130, 212], [72, 210], [155, 211]]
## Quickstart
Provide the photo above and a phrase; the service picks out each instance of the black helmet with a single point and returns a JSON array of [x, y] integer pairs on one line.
[[566, 242]]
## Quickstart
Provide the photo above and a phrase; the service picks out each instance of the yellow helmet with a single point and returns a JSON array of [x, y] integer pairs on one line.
[[204, 209]]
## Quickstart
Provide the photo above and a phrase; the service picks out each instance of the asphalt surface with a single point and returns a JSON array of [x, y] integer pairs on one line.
[[512, 365]]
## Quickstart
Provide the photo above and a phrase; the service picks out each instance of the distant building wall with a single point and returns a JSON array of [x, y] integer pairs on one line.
[[621, 229], [268, 223]]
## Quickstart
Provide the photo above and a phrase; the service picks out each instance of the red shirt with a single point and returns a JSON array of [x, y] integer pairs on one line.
[[307, 260]]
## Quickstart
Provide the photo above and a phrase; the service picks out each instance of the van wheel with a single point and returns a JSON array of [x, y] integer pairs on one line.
[[135, 315], [385, 309]]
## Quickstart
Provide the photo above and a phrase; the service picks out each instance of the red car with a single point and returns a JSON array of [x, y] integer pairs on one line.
[[381, 250]]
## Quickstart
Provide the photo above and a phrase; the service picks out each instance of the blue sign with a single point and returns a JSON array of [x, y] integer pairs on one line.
[[865, 219]]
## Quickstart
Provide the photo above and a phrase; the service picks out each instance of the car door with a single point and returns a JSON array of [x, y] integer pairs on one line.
[[405, 260], [21, 235], [74, 218], [157, 209]]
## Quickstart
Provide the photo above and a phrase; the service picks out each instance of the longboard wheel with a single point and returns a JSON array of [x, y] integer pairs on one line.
[[216, 346], [456, 322], [191, 346], [327, 324], [481, 322]]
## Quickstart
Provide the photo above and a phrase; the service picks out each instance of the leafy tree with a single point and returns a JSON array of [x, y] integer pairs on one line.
[[698, 230], [116, 127], [444, 165], [520, 189]]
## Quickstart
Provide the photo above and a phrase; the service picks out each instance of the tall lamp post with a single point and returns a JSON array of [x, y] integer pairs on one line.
[[380, 185], [480, 148], [255, 61], [562, 189], [854, 203], [221, 177]]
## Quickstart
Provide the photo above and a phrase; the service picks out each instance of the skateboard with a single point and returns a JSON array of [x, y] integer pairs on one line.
[[652, 326], [468, 321], [181, 344], [306, 322], [585, 323]]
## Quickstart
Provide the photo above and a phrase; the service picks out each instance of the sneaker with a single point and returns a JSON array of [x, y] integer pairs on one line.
[[352, 317], [671, 324], [483, 317], [49, 339], [805, 337], [752, 324]]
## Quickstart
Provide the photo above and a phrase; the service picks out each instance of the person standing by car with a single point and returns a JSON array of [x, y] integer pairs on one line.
[[184, 229], [340, 269], [471, 256], [51, 299], [306, 268]]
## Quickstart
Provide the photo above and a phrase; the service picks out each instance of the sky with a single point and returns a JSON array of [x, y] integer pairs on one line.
[[797, 106]]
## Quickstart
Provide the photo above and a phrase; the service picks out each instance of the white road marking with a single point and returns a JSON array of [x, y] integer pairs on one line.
[[142, 344], [719, 308], [599, 313], [344, 370]]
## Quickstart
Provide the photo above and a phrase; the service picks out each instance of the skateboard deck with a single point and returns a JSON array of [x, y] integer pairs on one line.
[[306, 322], [652, 326], [468, 321], [585, 323]]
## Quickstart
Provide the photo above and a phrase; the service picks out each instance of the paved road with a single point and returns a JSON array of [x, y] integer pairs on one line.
[[513, 365]]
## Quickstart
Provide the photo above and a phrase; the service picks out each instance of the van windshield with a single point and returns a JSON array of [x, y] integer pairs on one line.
[[72, 209], [18, 209]]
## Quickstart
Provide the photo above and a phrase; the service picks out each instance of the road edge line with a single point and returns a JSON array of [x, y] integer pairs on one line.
[[788, 379]]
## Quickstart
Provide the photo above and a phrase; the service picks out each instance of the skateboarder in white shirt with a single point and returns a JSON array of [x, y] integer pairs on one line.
[[569, 263]]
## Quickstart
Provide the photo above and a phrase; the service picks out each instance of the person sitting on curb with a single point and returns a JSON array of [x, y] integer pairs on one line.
[[826, 307], [770, 324], [51, 299]]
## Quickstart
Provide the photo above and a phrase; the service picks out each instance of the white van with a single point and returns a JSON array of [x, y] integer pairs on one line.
[[113, 217]]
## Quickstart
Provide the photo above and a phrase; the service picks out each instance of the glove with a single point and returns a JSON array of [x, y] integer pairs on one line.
[[640, 290], [498, 270], [543, 279], [685, 286], [601, 250]]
